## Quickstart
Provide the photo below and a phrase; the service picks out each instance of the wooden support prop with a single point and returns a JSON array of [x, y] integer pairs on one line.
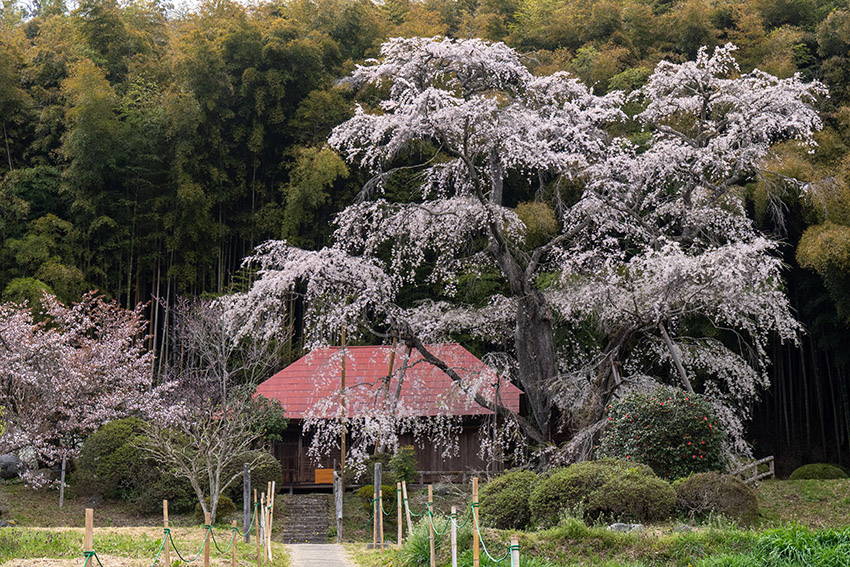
[[257, 522], [381, 516], [262, 517], [338, 505], [207, 540], [232, 547], [476, 552], [406, 506], [514, 551], [88, 538], [62, 481], [376, 507], [431, 534], [165, 534], [246, 501], [271, 519], [454, 536], [398, 509]]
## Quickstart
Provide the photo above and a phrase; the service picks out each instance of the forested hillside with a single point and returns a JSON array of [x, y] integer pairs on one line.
[[146, 152]]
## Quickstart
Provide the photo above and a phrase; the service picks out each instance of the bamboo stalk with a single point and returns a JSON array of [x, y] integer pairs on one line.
[[454, 536], [407, 506], [88, 538], [207, 540]]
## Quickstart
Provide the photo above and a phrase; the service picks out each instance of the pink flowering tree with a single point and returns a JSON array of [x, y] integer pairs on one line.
[[64, 376], [620, 265]]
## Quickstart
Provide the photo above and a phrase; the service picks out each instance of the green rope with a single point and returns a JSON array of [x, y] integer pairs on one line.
[[203, 543], [484, 547], [89, 555], [411, 512], [253, 516], [229, 545], [382, 508], [161, 547], [431, 520], [466, 520]]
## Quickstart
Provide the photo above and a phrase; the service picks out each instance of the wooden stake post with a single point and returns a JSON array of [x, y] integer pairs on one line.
[[88, 538], [406, 506], [257, 520], [165, 533], [514, 551], [207, 540], [476, 552], [431, 534], [398, 508], [381, 516], [454, 536], [378, 514], [246, 501], [232, 548]]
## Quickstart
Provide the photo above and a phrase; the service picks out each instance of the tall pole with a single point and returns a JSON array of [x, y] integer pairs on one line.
[[246, 500], [342, 403], [476, 559], [431, 535], [166, 533]]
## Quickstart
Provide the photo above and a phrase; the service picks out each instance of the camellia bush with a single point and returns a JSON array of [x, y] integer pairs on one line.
[[673, 432]]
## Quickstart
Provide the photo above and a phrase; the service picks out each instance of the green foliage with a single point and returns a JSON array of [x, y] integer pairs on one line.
[[818, 471], [632, 496], [710, 493], [671, 431], [112, 464], [403, 464], [581, 488], [265, 468], [366, 494], [225, 508], [416, 551], [504, 500], [387, 474], [269, 417]]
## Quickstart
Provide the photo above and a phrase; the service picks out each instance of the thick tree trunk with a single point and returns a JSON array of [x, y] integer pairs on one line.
[[535, 346]]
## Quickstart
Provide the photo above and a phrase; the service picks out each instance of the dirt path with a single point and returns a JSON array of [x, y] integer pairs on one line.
[[318, 555]]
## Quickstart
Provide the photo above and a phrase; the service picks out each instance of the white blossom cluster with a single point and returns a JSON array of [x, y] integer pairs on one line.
[[655, 272]]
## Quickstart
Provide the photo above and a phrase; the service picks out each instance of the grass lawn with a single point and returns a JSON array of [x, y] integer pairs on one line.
[[46, 536], [802, 524]]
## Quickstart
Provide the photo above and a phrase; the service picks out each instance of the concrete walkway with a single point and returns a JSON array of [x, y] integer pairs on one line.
[[318, 555]]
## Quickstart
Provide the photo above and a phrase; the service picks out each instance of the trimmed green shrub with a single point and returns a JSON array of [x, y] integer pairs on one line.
[[673, 432], [225, 508], [817, 471], [504, 500], [710, 493], [109, 462], [112, 464], [632, 496], [569, 490], [265, 470], [403, 464], [367, 493]]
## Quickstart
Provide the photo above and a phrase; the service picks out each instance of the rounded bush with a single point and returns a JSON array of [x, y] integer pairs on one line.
[[504, 500], [818, 471], [225, 508], [265, 469], [403, 464], [567, 490], [632, 497], [710, 493], [673, 432], [112, 465], [367, 492]]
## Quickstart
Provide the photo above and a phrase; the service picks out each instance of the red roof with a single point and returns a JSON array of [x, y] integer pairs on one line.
[[311, 385]]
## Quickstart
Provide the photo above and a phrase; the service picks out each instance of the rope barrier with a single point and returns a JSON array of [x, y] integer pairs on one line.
[[183, 559], [468, 516], [161, 547], [484, 547], [412, 513], [229, 545], [436, 531]]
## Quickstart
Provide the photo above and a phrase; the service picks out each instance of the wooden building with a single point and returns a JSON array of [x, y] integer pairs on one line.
[[312, 386]]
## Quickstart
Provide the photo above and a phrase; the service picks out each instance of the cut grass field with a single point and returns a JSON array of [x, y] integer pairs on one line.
[[46, 536]]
